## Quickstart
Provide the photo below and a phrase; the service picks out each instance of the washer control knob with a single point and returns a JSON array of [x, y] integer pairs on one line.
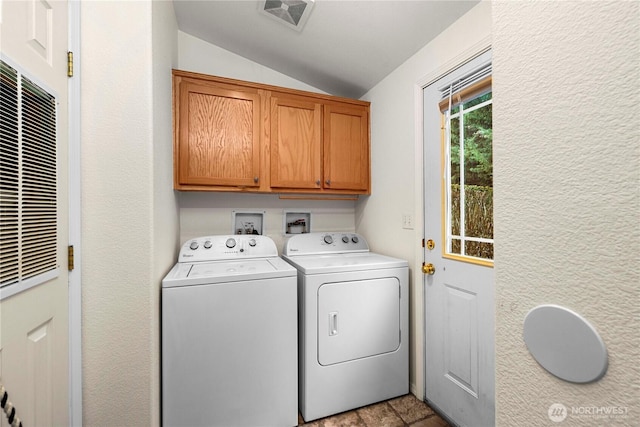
[[231, 243], [207, 244], [355, 239], [194, 245], [252, 242], [328, 239], [345, 239]]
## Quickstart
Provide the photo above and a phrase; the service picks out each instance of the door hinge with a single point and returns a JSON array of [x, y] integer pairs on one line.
[[69, 64], [423, 243], [70, 257]]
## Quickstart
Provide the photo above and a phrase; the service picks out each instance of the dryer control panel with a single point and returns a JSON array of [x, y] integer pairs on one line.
[[324, 243], [213, 248]]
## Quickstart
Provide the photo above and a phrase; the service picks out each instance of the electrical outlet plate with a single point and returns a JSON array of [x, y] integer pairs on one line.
[[407, 221], [247, 222]]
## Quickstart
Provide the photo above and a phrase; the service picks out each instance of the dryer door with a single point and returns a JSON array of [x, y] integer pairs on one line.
[[358, 319]]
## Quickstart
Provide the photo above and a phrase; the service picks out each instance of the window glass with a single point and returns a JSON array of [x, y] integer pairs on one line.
[[469, 195]]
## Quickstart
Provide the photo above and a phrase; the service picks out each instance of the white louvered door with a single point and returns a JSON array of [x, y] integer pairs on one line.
[[34, 325]]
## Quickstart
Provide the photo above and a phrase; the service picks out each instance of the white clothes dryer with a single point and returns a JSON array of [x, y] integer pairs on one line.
[[352, 322], [229, 335]]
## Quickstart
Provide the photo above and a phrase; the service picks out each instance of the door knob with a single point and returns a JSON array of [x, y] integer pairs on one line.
[[428, 268]]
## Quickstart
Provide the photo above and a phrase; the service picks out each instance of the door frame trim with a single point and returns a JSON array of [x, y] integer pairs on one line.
[[465, 56], [75, 224]]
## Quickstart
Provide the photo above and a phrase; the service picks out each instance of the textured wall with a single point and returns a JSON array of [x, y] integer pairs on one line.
[[202, 57], [129, 215], [567, 212], [203, 214], [164, 228]]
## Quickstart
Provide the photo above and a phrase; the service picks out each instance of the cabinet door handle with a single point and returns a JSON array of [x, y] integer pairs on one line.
[[328, 182], [255, 179], [318, 183]]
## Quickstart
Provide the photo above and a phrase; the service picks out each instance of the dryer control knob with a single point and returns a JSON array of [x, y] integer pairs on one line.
[[355, 239], [207, 244], [345, 239], [231, 243], [252, 242], [328, 239], [194, 245]]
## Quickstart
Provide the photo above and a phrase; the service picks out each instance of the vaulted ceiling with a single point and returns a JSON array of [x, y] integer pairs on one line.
[[343, 48]]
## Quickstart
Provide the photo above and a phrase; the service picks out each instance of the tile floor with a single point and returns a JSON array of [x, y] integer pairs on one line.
[[399, 412]]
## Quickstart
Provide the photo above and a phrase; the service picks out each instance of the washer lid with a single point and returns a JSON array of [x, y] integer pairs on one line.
[[230, 268], [203, 273], [336, 263]]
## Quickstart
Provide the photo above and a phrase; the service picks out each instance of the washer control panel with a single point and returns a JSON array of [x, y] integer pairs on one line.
[[324, 243], [212, 248]]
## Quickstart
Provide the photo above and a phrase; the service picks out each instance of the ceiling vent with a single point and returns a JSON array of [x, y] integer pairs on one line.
[[292, 13]]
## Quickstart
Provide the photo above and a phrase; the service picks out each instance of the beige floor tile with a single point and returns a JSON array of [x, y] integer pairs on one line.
[[433, 421], [399, 412], [380, 415], [346, 419], [410, 408]]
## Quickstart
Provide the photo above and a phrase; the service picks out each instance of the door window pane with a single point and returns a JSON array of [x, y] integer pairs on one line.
[[469, 195]]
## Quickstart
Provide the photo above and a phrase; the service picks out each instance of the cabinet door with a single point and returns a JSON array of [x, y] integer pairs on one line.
[[295, 143], [346, 147], [219, 138]]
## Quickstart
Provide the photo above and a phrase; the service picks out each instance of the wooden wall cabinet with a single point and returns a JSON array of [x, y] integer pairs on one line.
[[296, 143], [346, 147], [231, 135], [217, 136]]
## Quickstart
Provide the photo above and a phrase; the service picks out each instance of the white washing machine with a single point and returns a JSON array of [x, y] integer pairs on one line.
[[229, 335], [352, 322]]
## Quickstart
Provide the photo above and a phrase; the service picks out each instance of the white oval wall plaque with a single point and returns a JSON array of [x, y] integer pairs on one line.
[[565, 344]]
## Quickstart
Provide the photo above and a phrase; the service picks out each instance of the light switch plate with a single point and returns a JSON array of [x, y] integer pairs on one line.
[[407, 221]]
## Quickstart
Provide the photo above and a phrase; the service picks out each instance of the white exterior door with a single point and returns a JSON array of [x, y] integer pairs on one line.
[[458, 281], [34, 335]]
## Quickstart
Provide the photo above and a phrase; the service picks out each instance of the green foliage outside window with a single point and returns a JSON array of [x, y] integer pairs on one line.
[[478, 138], [478, 177]]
